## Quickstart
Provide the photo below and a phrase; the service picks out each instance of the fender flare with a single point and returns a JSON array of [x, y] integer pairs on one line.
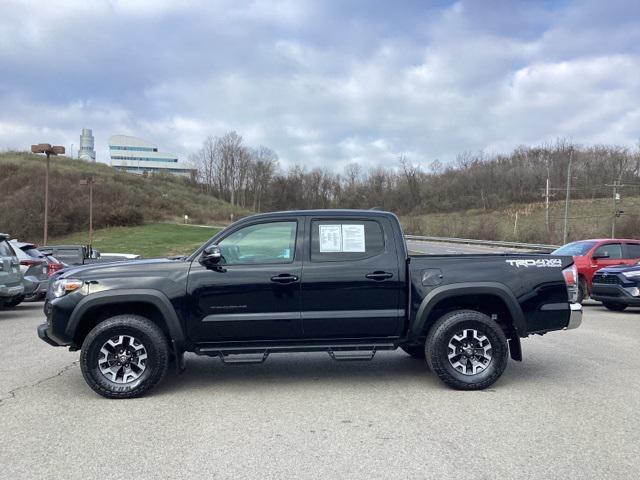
[[150, 296], [470, 288]]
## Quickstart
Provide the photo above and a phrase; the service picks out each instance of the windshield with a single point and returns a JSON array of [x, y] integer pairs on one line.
[[575, 249]]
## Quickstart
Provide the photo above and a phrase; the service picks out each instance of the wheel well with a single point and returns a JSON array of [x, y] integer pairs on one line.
[[491, 305], [94, 315], [582, 278]]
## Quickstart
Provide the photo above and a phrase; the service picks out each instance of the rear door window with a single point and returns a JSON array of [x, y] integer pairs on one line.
[[633, 250], [341, 239]]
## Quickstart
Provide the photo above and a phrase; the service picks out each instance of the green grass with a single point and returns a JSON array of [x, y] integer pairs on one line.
[[149, 240]]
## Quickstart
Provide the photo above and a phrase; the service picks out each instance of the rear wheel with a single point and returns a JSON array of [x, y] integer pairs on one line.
[[124, 356], [616, 307], [416, 351], [467, 350]]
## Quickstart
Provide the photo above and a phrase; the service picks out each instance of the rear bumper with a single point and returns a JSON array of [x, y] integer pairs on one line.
[[35, 286], [614, 294], [575, 317], [11, 291]]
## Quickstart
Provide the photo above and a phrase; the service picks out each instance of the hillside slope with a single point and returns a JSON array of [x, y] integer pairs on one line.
[[587, 219], [120, 199]]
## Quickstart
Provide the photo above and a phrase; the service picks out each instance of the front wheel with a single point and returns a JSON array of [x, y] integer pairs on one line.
[[124, 356], [616, 307], [467, 350]]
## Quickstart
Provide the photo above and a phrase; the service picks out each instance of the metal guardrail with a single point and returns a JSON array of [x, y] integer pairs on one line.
[[488, 243]]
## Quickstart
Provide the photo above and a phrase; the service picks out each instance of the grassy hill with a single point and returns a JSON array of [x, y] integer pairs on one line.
[[587, 219], [120, 199], [149, 240]]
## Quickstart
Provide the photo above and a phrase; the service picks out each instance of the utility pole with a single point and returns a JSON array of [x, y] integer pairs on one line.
[[566, 205], [48, 150], [547, 195], [615, 213], [615, 209], [91, 182]]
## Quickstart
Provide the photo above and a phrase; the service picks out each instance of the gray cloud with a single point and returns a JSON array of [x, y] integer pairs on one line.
[[322, 83]]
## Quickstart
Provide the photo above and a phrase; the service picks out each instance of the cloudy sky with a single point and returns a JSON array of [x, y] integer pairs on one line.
[[322, 83]]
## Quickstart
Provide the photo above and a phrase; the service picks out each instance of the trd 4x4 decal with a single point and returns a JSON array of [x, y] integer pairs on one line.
[[535, 262]]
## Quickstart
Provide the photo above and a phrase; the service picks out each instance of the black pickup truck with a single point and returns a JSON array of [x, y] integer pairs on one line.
[[339, 281]]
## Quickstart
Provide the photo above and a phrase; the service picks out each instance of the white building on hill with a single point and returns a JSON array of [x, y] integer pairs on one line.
[[87, 151], [134, 155]]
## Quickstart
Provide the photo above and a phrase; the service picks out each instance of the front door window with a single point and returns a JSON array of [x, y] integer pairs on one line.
[[263, 243]]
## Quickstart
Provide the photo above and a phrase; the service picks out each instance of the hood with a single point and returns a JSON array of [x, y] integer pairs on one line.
[[109, 268], [619, 269]]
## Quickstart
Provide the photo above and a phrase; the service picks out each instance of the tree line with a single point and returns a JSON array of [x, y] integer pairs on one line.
[[252, 178]]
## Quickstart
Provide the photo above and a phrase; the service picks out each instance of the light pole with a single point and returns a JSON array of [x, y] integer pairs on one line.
[[91, 182], [48, 150]]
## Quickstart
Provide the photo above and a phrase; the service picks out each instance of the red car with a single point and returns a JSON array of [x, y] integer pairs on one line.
[[592, 255]]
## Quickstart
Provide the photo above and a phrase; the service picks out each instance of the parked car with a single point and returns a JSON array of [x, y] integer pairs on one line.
[[11, 288], [337, 281], [617, 287], [35, 270], [592, 255]]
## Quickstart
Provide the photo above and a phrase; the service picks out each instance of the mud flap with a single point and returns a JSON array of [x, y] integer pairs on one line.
[[179, 357], [515, 349]]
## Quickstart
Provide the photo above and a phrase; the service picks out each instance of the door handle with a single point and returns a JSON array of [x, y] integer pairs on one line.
[[284, 278], [379, 275]]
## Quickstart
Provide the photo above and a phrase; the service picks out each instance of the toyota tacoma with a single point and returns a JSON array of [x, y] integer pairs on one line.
[[337, 281]]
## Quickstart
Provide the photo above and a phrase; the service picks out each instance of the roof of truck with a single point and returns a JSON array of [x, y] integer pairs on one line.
[[330, 212]]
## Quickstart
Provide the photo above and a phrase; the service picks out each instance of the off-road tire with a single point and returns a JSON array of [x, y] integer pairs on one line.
[[416, 351], [615, 307], [141, 328], [437, 349]]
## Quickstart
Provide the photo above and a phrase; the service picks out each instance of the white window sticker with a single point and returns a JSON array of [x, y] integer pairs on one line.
[[330, 238], [353, 238]]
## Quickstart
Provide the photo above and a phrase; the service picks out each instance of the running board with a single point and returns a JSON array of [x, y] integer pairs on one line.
[[352, 355], [258, 354], [257, 357]]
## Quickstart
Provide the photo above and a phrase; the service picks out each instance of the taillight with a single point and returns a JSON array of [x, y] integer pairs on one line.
[[571, 279], [53, 268]]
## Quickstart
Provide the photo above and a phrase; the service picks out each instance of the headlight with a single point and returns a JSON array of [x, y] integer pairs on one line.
[[64, 286], [632, 274]]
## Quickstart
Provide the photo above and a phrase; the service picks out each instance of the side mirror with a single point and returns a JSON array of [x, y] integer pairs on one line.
[[600, 255], [211, 255]]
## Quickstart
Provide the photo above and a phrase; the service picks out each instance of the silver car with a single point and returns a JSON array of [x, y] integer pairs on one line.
[[35, 270], [11, 288]]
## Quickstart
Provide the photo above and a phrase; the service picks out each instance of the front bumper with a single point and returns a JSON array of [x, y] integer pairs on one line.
[[614, 294], [44, 336], [575, 317]]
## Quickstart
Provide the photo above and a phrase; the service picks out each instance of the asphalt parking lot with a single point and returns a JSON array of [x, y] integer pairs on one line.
[[570, 410]]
